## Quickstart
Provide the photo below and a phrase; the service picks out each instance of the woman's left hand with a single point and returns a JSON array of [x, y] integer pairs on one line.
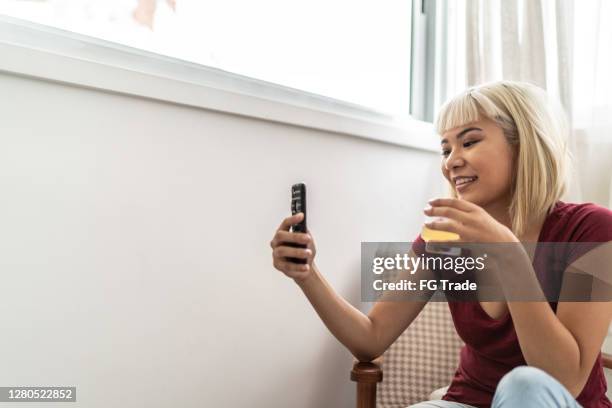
[[470, 221]]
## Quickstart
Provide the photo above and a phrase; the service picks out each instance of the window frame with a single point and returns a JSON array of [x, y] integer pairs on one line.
[[47, 53], [423, 68]]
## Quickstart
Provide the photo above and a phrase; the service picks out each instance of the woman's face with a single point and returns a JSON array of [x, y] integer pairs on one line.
[[479, 151]]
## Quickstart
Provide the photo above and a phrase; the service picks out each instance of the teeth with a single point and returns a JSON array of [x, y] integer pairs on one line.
[[464, 180]]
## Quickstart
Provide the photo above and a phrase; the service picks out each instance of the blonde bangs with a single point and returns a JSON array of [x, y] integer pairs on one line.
[[467, 107]]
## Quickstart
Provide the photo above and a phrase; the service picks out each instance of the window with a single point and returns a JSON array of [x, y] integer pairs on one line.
[[354, 51]]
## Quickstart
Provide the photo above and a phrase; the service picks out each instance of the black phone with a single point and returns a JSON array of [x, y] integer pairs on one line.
[[298, 204]]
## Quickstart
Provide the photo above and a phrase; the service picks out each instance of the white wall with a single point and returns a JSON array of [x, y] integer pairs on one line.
[[134, 248]]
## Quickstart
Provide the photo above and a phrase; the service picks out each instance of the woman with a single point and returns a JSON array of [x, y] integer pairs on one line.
[[504, 155]]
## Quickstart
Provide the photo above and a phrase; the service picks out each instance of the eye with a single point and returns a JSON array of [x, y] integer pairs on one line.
[[445, 153]]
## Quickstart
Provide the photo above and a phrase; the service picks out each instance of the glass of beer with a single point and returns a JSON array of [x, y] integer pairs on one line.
[[443, 244]]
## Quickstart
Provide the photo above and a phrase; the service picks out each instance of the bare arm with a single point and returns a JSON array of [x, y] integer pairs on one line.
[[349, 325], [575, 334], [366, 336]]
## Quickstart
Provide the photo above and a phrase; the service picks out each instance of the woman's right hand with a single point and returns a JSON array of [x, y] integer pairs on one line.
[[281, 251]]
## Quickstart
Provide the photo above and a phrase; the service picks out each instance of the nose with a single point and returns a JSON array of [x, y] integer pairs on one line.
[[454, 160]]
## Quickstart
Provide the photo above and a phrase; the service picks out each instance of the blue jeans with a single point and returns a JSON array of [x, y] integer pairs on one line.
[[524, 387]]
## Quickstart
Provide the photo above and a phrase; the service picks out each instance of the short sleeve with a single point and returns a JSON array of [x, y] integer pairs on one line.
[[591, 224]]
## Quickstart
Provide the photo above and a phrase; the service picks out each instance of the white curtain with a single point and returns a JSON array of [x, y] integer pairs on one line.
[[564, 46]]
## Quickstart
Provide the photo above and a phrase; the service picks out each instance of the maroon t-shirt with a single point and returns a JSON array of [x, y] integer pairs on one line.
[[491, 345]]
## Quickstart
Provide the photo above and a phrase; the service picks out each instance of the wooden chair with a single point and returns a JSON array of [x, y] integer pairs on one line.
[[422, 360]]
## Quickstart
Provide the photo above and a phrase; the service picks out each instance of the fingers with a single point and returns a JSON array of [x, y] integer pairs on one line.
[[286, 236], [289, 221], [445, 225], [461, 205], [287, 244], [290, 252], [448, 212], [293, 270]]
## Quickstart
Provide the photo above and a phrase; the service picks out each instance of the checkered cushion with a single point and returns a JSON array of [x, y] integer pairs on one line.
[[422, 359]]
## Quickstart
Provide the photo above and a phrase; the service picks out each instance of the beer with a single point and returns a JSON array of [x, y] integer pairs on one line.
[[429, 235], [434, 235]]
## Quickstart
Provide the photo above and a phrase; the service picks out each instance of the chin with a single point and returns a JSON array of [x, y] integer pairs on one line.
[[471, 197]]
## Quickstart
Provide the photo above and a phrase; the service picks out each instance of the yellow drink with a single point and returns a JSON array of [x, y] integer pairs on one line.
[[428, 235]]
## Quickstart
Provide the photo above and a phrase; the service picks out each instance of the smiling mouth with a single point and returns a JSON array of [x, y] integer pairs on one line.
[[464, 183]]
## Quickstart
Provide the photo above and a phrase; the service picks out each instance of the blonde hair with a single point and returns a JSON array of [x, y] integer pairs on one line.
[[536, 125]]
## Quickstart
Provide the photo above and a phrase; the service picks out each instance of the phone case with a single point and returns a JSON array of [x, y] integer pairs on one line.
[[298, 204]]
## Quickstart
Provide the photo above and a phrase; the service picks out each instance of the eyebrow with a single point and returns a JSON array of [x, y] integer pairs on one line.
[[461, 134]]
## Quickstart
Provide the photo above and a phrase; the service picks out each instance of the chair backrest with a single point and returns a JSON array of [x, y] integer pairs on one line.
[[421, 360]]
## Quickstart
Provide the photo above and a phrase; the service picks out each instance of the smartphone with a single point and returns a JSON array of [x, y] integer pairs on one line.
[[298, 204]]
